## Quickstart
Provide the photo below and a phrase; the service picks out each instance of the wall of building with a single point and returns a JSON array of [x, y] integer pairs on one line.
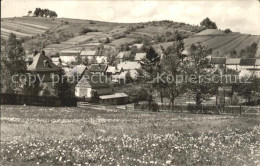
[[67, 59]]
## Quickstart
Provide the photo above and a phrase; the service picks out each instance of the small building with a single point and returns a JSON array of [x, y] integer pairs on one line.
[[233, 63], [139, 56], [90, 54], [247, 65], [121, 55], [138, 46], [68, 56], [98, 69], [91, 86], [114, 99], [56, 60]]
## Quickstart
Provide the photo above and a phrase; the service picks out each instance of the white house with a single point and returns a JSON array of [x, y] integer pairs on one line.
[[139, 56], [90, 54], [68, 56], [90, 85]]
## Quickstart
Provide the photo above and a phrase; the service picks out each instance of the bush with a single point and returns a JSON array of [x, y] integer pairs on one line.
[[85, 30], [227, 31]]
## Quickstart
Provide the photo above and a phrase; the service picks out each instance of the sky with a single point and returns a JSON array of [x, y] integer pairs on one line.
[[238, 15]]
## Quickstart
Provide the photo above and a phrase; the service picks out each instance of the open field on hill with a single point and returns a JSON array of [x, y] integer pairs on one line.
[[227, 48], [14, 32], [193, 40], [46, 136], [258, 49], [247, 42], [219, 41], [121, 41]]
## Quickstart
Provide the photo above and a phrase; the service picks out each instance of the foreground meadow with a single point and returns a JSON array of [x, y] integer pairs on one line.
[[80, 136]]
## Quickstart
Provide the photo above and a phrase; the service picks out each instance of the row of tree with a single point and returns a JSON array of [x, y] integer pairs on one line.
[[43, 13], [197, 64]]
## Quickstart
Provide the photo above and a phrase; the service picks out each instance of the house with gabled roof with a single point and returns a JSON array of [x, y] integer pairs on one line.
[[93, 86], [43, 67]]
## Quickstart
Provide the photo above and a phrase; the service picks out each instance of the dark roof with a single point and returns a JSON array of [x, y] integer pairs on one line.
[[247, 62], [42, 63], [217, 60], [94, 81], [98, 68], [78, 70]]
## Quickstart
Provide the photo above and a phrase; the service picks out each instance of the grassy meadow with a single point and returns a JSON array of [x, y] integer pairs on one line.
[[83, 136]]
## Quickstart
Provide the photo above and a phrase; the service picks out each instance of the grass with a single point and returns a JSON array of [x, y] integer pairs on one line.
[[73, 136]]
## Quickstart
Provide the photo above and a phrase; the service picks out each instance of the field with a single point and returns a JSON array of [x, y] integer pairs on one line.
[[77, 136], [231, 46], [23, 27]]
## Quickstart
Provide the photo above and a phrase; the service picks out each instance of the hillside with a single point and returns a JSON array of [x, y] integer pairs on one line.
[[56, 34], [222, 43]]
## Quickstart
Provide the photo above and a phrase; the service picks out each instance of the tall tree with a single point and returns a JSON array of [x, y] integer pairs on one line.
[[200, 72], [173, 68], [150, 64], [12, 62], [208, 24]]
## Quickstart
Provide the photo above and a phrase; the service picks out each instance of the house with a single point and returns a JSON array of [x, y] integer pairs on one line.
[[139, 56], [124, 68], [56, 60], [98, 69], [129, 65], [42, 67], [68, 56], [246, 66], [138, 46], [114, 99], [90, 54], [233, 63], [121, 55], [91, 86], [111, 70]]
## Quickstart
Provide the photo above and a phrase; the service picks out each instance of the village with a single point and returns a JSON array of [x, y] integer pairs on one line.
[[94, 78]]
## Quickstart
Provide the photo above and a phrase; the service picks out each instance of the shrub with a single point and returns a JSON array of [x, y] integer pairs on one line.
[[227, 31], [85, 30]]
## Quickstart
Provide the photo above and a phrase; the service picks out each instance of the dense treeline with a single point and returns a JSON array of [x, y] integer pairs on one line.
[[44, 13]]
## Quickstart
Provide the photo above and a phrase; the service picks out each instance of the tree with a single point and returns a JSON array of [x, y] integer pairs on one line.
[[173, 66], [78, 60], [151, 66], [199, 70], [128, 78], [12, 63], [85, 61], [29, 13], [93, 60], [111, 55], [208, 24], [227, 31], [249, 51], [250, 87]]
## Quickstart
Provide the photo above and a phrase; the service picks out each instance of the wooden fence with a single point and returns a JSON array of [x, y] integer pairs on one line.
[[192, 108], [17, 99]]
